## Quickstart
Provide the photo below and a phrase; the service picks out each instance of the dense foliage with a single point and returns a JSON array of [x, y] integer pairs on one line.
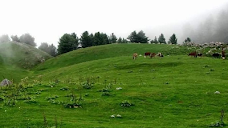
[[161, 39], [173, 39], [68, 42], [139, 37], [50, 49]]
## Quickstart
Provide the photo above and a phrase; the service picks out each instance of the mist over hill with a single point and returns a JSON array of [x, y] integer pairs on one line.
[[21, 55], [208, 27]]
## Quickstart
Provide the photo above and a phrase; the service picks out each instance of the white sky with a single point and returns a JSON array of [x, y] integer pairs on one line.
[[48, 20]]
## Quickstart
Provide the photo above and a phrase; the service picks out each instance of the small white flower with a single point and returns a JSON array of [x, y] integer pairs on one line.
[[112, 116], [217, 92], [51, 86]]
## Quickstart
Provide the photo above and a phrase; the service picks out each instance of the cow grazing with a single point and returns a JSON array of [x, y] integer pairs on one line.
[[152, 55], [200, 54], [135, 56], [216, 55], [146, 54], [193, 54], [160, 54]]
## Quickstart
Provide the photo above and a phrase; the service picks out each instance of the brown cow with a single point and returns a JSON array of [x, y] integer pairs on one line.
[[152, 55], [146, 54], [135, 56], [193, 54]]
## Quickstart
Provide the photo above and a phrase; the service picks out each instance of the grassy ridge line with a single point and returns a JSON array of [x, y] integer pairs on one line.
[[108, 51]]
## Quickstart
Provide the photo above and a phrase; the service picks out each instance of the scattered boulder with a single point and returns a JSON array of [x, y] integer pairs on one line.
[[217, 92], [5, 82]]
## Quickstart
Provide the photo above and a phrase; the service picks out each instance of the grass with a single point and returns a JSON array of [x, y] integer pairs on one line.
[[174, 91]]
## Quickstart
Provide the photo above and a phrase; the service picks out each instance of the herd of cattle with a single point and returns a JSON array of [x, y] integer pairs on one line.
[[195, 54], [150, 54]]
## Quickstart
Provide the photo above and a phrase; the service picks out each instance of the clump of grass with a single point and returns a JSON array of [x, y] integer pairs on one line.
[[126, 103], [87, 85], [74, 101], [106, 94], [107, 88]]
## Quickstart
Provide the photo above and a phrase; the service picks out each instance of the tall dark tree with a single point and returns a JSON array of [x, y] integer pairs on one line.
[[142, 37], [133, 37], [67, 42], [4, 39], [161, 39], [155, 40], [112, 38], [27, 39], [100, 38], [139, 37], [173, 39], [15, 38], [86, 39]]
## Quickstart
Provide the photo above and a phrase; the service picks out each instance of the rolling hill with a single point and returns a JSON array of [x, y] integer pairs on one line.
[[103, 86]]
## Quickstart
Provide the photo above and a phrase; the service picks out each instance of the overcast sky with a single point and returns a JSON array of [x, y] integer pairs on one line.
[[48, 20]]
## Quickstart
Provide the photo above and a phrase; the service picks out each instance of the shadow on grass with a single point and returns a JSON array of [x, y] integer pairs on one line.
[[149, 65]]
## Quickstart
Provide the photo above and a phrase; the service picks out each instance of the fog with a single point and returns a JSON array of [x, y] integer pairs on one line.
[[201, 20], [211, 26]]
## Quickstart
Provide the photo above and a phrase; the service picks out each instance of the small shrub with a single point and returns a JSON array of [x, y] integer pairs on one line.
[[73, 105], [87, 85]]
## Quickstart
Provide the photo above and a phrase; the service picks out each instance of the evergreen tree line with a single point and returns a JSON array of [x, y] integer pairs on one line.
[[69, 42]]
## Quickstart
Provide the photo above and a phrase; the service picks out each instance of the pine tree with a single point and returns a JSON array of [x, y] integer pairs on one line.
[[173, 39], [112, 38], [161, 39], [67, 42], [86, 39]]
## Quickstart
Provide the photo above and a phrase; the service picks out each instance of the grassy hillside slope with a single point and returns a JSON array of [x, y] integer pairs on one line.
[[108, 51], [21, 55], [15, 58], [174, 91]]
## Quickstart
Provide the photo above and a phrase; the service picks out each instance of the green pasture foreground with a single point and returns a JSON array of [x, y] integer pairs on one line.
[[174, 91]]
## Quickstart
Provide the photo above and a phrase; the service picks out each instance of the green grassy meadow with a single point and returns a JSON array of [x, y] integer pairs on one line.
[[80, 89]]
